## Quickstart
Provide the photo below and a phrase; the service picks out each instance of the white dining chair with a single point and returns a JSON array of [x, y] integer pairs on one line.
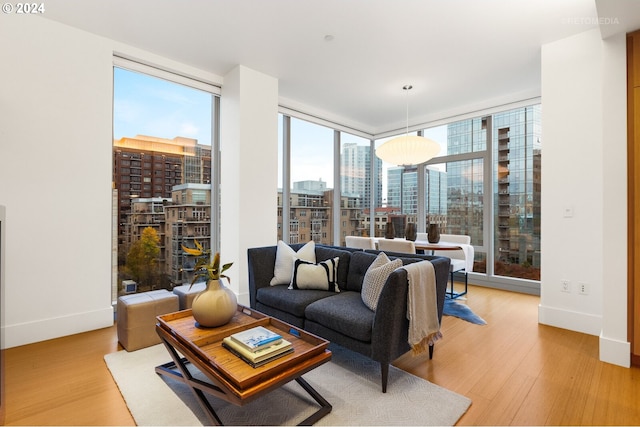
[[359, 242], [397, 245]]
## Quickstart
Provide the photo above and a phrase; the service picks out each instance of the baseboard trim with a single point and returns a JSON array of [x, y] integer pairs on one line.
[[615, 352], [571, 320], [511, 284], [30, 332]]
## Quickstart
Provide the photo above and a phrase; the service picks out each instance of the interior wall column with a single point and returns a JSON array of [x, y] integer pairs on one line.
[[249, 169]]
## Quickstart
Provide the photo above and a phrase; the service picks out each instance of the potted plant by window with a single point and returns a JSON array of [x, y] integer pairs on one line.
[[217, 304]]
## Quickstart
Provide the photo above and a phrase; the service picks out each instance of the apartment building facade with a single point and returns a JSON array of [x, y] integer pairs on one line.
[[149, 167]]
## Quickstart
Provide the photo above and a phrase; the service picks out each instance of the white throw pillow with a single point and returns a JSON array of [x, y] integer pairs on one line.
[[321, 276], [375, 278], [286, 256]]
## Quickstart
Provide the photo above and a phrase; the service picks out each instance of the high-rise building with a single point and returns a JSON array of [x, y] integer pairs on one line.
[[435, 193], [355, 172], [394, 186], [465, 179], [402, 191], [517, 151]]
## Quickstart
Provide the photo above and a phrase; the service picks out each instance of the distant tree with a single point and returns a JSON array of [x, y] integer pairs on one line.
[[142, 259]]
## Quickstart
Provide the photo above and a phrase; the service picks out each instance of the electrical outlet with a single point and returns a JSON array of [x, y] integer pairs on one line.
[[565, 286], [583, 288]]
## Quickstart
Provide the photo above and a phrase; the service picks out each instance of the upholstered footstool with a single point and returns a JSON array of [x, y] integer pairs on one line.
[[136, 317], [186, 295]]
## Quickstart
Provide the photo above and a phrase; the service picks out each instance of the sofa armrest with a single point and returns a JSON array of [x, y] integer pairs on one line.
[[390, 324], [260, 262], [441, 266]]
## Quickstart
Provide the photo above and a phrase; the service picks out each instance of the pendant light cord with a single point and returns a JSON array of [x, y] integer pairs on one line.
[[407, 88]]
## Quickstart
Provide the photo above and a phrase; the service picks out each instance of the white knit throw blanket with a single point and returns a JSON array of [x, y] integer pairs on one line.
[[422, 306]]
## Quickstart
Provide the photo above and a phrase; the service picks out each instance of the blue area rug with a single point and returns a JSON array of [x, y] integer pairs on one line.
[[454, 308]]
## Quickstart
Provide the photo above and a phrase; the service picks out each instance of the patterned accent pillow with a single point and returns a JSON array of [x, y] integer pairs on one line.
[[285, 257], [322, 275], [375, 278]]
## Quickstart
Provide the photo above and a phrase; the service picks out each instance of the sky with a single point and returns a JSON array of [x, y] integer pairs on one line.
[[145, 105]]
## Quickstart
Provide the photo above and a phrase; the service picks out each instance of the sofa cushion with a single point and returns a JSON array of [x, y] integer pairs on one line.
[[322, 275], [375, 278], [344, 313], [292, 301], [360, 262], [325, 252], [285, 257]]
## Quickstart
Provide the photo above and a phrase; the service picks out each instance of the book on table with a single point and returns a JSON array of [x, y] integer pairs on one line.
[[261, 356], [256, 338]]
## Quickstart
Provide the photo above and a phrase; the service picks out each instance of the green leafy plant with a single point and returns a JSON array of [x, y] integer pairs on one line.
[[205, 266]]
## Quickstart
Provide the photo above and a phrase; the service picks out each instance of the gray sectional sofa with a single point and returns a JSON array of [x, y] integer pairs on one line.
[[342, 317]]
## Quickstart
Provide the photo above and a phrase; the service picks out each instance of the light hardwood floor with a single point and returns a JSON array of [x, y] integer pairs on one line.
[[516, 371]]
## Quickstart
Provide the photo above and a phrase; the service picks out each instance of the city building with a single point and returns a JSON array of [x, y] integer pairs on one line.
[[188, 219], [518, 187], [310, 217], [355, 173], [180, 220], [149, 167]]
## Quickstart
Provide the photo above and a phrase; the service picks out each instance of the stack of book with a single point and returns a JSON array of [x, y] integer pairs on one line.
[[257, 346]]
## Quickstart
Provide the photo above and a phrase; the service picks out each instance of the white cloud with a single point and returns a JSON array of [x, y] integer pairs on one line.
[[189, 129]]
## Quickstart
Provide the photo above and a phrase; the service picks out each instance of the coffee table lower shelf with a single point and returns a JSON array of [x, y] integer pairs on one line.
[[178, 370]]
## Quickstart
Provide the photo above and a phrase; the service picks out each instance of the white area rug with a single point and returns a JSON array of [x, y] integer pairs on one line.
[[350, 382]]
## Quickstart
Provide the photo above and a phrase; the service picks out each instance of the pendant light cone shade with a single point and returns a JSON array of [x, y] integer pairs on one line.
[[408, 149]]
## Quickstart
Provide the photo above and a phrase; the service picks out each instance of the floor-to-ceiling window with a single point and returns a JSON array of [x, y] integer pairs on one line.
[[484, 183], [162, 175]]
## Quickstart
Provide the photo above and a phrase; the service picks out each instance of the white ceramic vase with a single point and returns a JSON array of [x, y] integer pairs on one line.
[[214, 306]]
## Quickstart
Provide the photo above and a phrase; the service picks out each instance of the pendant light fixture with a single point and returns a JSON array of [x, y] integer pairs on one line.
[[408, 149]]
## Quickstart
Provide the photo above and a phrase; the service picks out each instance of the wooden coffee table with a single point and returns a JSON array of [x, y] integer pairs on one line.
[[230, 378]]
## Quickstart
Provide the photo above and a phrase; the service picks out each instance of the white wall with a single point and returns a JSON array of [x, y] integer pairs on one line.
[[584, 185], [55, 163]]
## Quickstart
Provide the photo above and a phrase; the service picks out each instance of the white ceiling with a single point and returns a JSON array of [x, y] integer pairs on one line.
[[459, 55]]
